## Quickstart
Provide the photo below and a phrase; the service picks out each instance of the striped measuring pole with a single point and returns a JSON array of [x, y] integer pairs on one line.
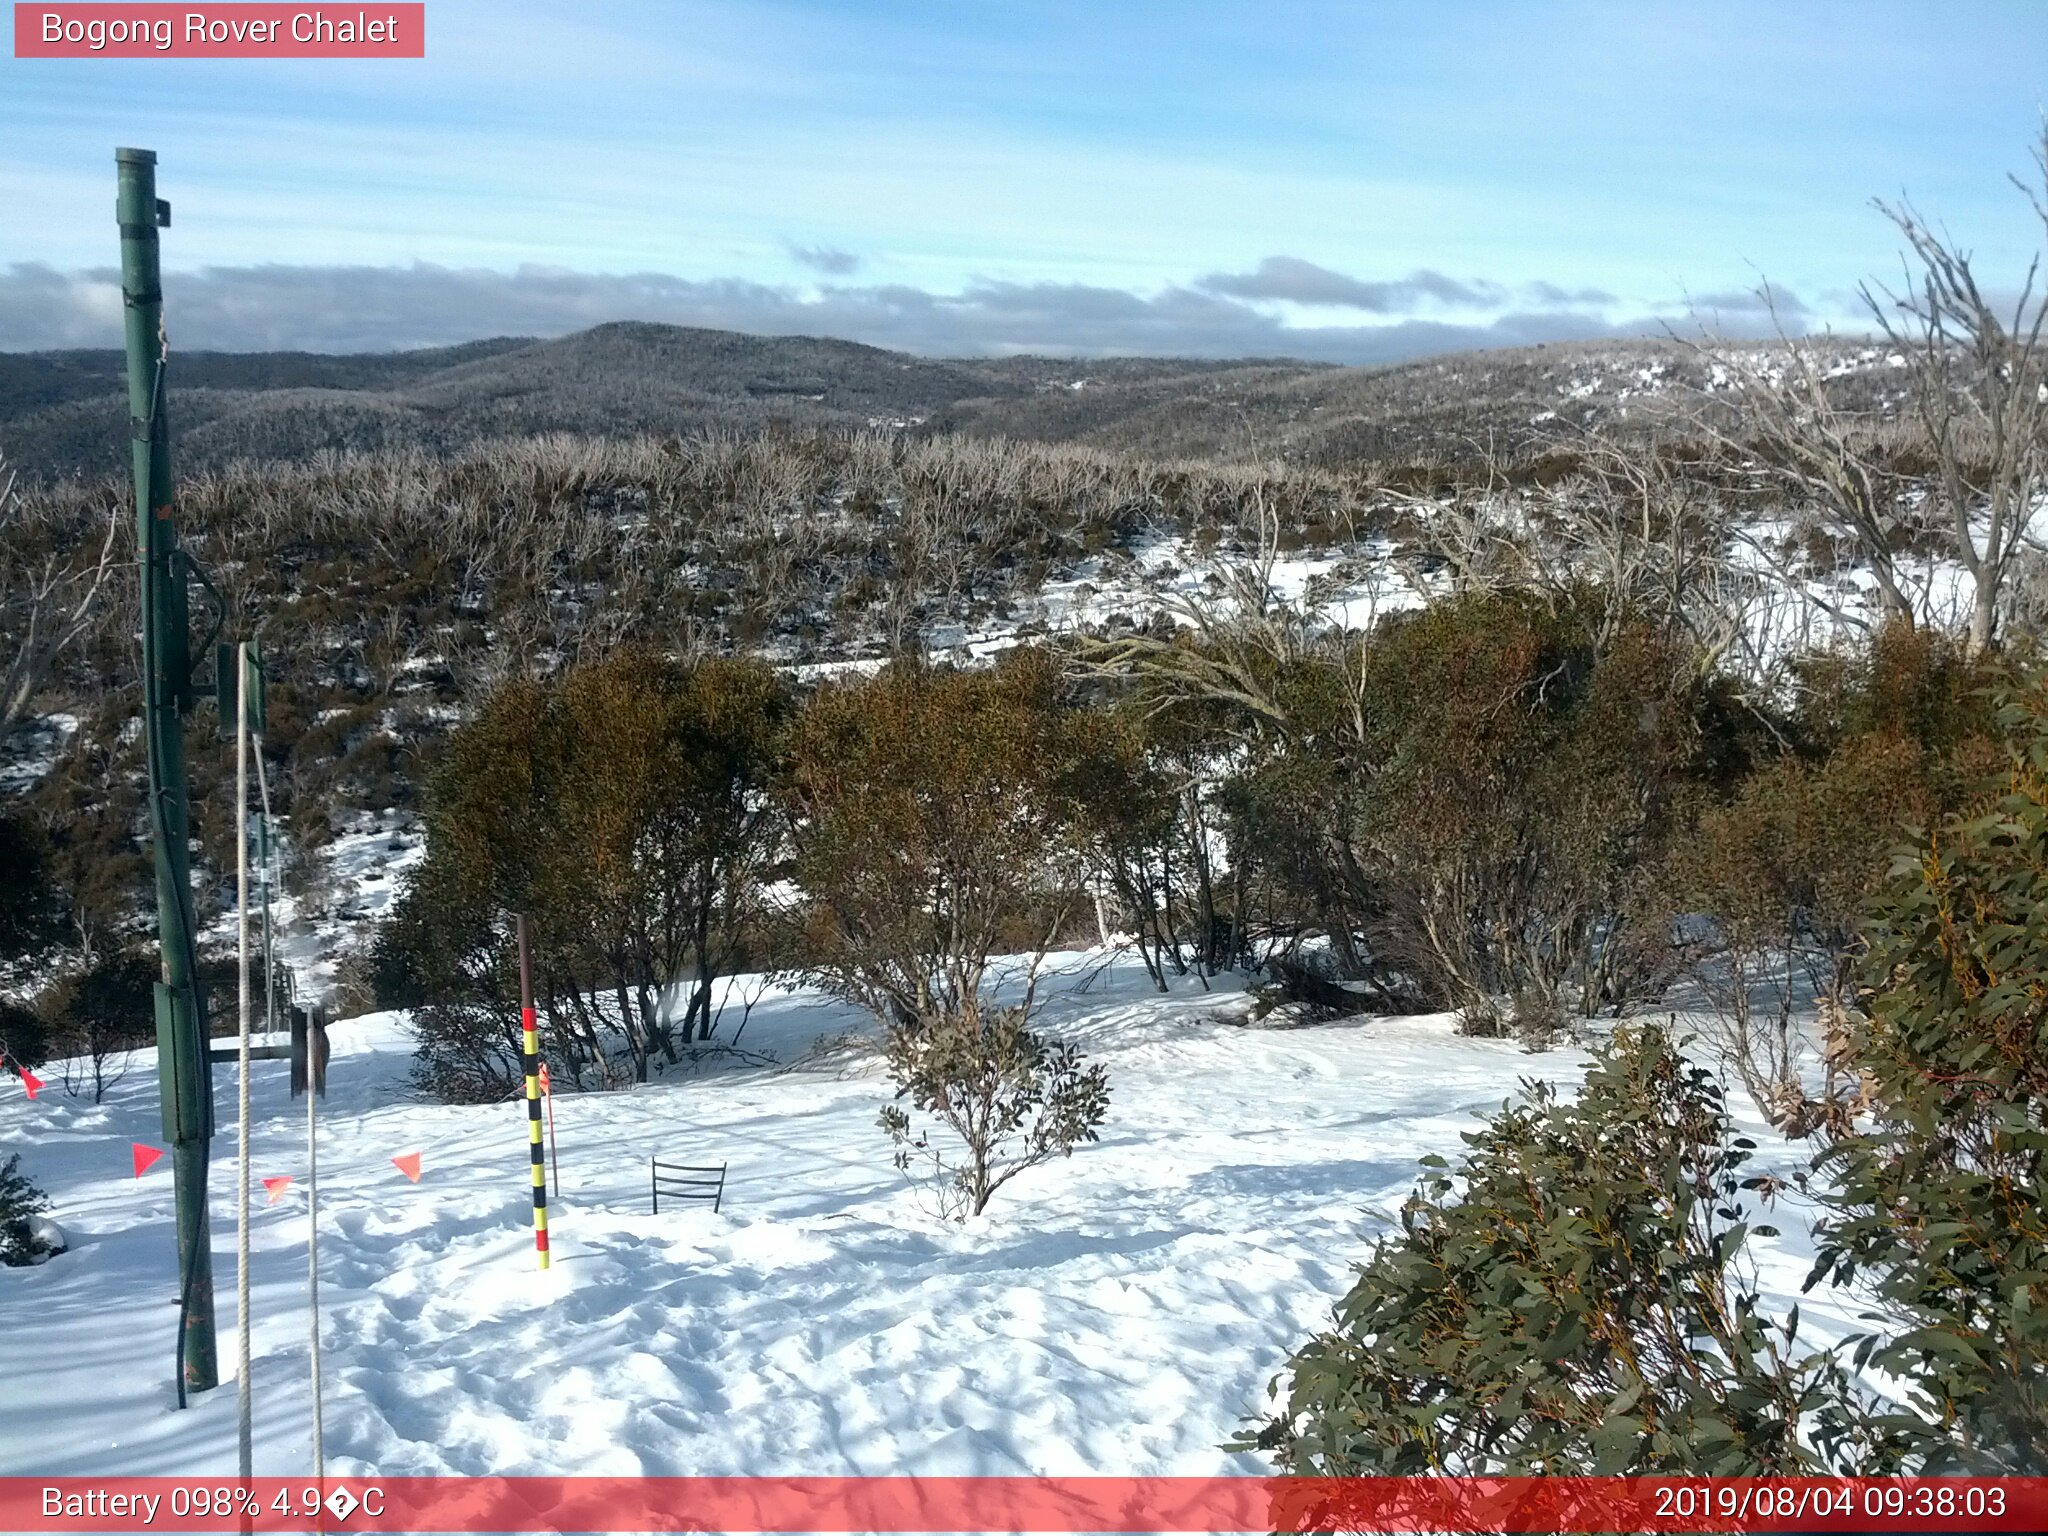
[[529, 1052]]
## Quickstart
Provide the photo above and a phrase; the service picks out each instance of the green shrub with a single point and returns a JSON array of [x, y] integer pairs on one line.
[[1010, 1098], [1785, 870], [1907, 685], [1888, 736], [934, 829], [20, 1203], [1582, 1309], [444, 955], [1466, 799], [624, 808], [1518, 778], [1940, 1198]]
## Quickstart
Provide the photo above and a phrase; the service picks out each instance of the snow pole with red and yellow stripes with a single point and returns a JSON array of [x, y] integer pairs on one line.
[[529, 1053]]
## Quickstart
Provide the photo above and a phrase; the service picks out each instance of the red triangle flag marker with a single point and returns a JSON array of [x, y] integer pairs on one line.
[[145, 1158], [30, 1083], [408, 1163], [544, 1078], [277, 1187]]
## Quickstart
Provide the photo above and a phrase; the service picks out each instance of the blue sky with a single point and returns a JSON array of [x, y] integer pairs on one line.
[[984, 176]]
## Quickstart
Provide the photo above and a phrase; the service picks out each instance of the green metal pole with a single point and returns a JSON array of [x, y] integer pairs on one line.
[[185, 1073]]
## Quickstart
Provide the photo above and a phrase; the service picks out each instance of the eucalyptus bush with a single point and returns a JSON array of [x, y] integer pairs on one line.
[[1939, 1194], [1583, 1308]]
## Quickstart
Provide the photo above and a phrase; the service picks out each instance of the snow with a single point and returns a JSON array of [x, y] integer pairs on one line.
[[37, 747], [323, 917], [370, 862], [47, 1238], [1119, 1312]]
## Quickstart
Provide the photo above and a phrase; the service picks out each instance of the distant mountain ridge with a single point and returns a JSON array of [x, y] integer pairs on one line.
[[65, 413]]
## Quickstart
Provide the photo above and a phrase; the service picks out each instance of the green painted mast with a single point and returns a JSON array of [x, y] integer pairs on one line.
[[168, 695]]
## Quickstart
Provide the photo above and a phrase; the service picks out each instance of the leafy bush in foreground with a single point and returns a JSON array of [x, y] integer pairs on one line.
[[1940, 1196], [1580, 1310]]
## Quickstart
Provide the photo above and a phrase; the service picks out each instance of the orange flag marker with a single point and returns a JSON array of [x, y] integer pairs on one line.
[[145, 1158], [408, 1163], [30, 1083], [277, 1186]]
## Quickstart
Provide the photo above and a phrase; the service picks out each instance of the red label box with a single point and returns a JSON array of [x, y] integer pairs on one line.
[[372, 30], [1093, 1506]]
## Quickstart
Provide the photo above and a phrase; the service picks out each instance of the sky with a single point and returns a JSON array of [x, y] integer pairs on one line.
[[1352, 182]]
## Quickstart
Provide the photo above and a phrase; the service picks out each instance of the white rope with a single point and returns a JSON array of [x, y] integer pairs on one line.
[[313, 1254], [312, 1138], [244, 1427]]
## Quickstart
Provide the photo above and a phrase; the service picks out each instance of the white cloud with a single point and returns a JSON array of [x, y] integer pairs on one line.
[[374, 308]]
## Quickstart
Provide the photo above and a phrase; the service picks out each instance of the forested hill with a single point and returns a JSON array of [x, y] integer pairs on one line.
[[64, 413]]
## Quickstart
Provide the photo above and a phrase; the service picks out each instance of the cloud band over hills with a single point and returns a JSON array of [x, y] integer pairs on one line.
[[1284, 307]]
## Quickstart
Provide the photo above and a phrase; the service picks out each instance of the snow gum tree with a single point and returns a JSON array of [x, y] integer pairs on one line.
[[1966, 476], [626, 808], [936, 830], [50, 595]]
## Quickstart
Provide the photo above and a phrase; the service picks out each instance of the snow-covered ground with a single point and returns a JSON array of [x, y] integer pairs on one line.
[[35, 749], [366, 866], [1795, 607], [1116, 1313]]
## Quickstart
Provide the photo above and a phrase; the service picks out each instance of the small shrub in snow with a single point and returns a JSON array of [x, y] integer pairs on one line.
[[21, 1206], [1011, 1099], [1580, 1310], [100, 1015]]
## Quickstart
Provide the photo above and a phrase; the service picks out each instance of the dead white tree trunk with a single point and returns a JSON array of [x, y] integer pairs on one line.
[[46, 603], [1980, 393]]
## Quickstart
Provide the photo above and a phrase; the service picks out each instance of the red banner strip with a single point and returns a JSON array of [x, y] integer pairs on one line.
[[149, 31], [1025, 1504]]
